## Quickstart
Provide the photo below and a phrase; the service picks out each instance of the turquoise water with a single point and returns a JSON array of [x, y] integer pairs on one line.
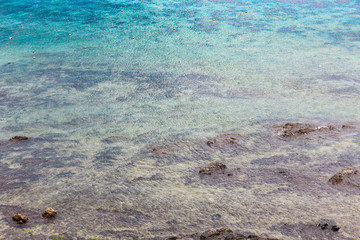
[[97, 84]]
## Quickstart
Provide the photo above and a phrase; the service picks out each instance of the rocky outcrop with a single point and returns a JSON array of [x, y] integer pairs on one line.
[[49, 213], [20, 219]]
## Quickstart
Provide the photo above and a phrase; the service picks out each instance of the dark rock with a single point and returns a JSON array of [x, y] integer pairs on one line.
[[323, 225], [20, 219], [212, 168], [335, 228], [346, 175], [18, 138], [49, 213]]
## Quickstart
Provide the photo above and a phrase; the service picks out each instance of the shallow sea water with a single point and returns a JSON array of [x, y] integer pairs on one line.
[[141, 75]]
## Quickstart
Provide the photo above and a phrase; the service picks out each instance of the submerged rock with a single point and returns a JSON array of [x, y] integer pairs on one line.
[[213, 168], [18, 138], [113, 139], [20, 219], [347, 175], [164, 150], [228, 142], [49, 213], [293, 130], [178, 237], [221, 234], [348, 126]]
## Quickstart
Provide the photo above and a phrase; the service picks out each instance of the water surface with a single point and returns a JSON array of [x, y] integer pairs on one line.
[[97, 85]]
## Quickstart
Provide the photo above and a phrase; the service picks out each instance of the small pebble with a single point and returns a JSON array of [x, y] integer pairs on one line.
[[49, 213]]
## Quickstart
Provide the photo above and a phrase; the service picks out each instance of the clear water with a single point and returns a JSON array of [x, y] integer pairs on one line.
[[134, 75]]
